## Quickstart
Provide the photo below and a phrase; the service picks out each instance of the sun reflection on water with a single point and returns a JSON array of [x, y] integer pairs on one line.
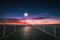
[[26, 31]]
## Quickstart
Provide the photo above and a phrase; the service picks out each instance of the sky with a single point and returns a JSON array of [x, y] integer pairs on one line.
[[34, 8]]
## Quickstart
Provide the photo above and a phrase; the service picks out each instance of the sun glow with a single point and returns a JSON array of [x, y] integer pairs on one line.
[[25, 14]]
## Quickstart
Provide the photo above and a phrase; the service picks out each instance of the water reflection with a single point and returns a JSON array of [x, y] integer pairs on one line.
[[26, 30]]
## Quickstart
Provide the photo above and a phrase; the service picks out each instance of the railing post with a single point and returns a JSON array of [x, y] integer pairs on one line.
[[15, 28], [54, 31], [4, 31]]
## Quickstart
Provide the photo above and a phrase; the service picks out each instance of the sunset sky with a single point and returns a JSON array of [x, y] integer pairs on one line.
[[34, 8]]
